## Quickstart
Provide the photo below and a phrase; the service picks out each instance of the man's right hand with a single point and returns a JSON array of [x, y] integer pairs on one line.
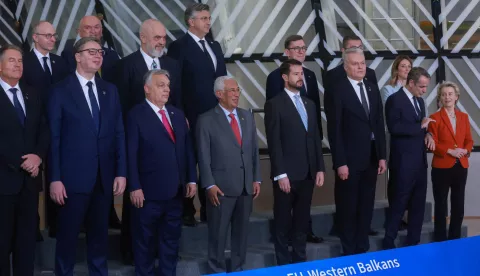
[[137, 198], [212, 195], [284, 184], [342, 172], [58, 193], [426, 121]]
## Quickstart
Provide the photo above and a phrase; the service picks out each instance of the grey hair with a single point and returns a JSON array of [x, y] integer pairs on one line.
[[6, 47], [191, 11], [147, 79], [351, 51], [78, 46], [219, 84]]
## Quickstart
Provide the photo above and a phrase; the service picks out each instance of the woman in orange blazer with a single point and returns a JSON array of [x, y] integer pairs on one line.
[[453, 144]]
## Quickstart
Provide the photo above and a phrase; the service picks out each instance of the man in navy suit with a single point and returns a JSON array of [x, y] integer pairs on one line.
[[295, 49], [407, 123], [130, 83], [161, 170], [87, 159], [201, 61], [356, 133]]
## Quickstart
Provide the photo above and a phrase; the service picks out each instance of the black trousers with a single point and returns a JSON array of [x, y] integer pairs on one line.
[[454, 180], [18, 231], [291, 213]]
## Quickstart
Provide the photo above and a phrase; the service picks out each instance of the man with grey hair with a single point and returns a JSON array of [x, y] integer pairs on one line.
[[130, 83], [357, 140], [161, 172], [201, 60], [230, 172]]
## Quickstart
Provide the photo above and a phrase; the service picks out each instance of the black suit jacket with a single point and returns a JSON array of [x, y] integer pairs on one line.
[[292, 149], [198, 75], [349, 128], [275, 85], [16, 141], [407, 146], [129, 80]]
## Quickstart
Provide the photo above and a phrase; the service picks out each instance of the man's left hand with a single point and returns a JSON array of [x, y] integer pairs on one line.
[[382, 166], [119, 184], [256, 189], [30, 162], [191, 190]]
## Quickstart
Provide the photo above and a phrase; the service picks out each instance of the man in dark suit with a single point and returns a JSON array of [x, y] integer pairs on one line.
[[161, 170], [23, 146], [357, 140], [296, 158], [230, 170], [87, 159], [201, 62], [90, 26], [130, 84], [407, 124], [295, 48], [42, 69]]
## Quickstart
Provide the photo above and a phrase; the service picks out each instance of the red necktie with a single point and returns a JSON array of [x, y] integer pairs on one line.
[[167, 126], [235, 128]]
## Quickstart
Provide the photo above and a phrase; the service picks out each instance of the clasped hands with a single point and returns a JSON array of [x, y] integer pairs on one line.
[[31, 164], [458, 152]]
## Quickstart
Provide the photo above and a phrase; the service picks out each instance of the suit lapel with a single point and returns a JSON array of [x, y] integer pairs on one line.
[[372, 100], [102, 102], [447, 122], [28, 106], [37, 63], [7, 106], [290, 107], [151, 116], [82, 105], [408, 103], [357, 104], [223, 122], [173, 120], [140, 64], [242, 123]]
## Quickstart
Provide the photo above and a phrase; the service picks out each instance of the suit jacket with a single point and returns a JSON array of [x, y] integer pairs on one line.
[[445, 138], [156, 164], [349, 128], [407, 138], [221, 160], [275, 85], [198, 75], [77, 152], [17, 140], [130, 80], [292, 149], [35, 76]]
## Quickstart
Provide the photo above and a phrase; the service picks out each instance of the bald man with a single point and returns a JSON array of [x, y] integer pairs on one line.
[[133, 68], [91, 26]]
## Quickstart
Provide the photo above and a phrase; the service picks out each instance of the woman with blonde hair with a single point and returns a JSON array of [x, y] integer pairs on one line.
[[400, 68], [453, 144]]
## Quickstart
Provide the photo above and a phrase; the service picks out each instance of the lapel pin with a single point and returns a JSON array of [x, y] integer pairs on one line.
[[171, 112], [53, 61], [104, 93], [242, 119], [366, 79], [26, 96]]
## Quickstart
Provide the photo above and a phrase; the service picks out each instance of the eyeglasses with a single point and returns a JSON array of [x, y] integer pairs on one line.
[[93, 51], [233, 90], [298, 49], [49, 36]]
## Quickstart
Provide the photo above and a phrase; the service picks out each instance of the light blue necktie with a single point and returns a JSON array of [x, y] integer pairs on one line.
[[301, 111], [154, 65]]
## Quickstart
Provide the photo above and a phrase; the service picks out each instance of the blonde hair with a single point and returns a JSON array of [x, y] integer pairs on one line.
[[446, 84]]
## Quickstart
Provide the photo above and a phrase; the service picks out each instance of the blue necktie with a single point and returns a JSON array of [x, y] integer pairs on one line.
[[154, 65], [18, 106], [94, 105], [417, 109], [301, 111]]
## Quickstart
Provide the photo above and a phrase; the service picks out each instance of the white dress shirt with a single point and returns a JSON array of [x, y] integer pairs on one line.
[[410, 97], [227, 113], [83, 84], [6, 87], [149, 60], [210, 51], [40, 59], [356, 87]]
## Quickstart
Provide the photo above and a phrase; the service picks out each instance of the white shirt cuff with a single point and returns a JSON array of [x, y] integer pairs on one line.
[[209, 187], [278, 177], [192, 183]]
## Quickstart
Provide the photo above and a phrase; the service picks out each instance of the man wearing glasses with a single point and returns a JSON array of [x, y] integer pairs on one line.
[[295, 48], [87, 158]]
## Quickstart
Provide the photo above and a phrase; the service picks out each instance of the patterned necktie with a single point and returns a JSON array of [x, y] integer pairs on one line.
[[154, 65], [364, 99], [94, 105], [235, 128], [301, 111], [18, 106], [415, 104], [167, 125], [205, 51]]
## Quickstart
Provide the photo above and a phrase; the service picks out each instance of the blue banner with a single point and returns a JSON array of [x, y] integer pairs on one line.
[[457, 258]]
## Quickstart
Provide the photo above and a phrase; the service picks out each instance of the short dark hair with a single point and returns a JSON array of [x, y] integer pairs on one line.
[[78, 46], [292, 38], [6, 47], [347, 38], [416, 73], [285, 67], [193, 8]]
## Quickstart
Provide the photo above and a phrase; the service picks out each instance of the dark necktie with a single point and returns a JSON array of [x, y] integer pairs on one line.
[[364, 99], [206, 52], [94, 105], [235, 128], [154, 65], [18, 106], [417, 109], [45, 66]]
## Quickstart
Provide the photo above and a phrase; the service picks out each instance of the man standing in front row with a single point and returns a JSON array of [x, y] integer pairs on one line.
[[295, 150], [407, 124], [230, 172], [87, 159], [161, 170]]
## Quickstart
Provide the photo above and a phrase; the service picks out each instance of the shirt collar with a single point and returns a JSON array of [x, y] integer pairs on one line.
[[83, 80], [355, 82], [39, 55], [408, 93], [228, 112], [148, 58], [154, 107], [196, 38], [7, 86], [290, 93]]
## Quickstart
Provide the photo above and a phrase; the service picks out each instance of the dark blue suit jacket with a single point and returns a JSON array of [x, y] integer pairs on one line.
[[407, 146], [77, 152], [276, 84], [156, 164], [35, 76], [129, 80], [198, 75]]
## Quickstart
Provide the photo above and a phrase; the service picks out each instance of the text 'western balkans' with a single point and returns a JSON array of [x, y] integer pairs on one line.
[[359, 268]]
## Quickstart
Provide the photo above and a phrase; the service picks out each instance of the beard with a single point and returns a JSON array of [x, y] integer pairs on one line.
[[154, 53], [297, 85]]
